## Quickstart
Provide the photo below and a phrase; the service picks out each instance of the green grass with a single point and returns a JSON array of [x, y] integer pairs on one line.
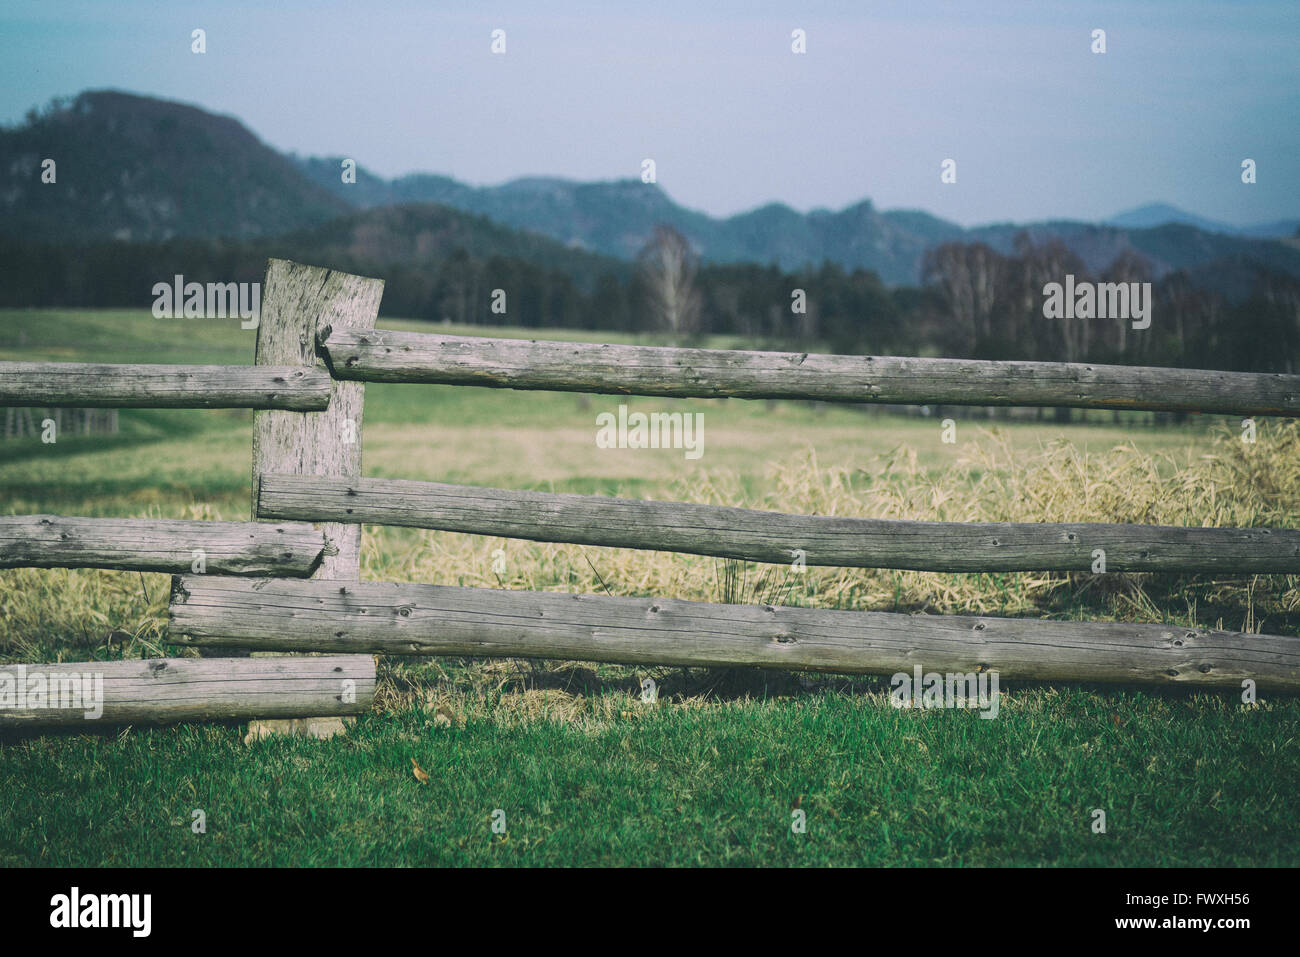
[[1183, 781], [584, 771]]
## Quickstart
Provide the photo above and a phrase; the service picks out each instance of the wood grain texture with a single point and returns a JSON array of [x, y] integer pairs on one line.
[[163, 690], [412, 619], [295, 298], [387, 356], [98, 385], [775, 536], [289, 549]]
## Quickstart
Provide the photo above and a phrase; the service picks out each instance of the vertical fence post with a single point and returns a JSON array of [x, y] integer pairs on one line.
[[295, 299]]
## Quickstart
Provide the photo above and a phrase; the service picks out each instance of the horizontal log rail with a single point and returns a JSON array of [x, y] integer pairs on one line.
[[406, 619], [162, 690], [387, 356], [777, 537], [97, 385], [160, 545]]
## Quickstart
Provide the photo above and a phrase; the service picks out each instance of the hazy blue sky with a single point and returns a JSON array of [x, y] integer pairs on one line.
[[1039, 125]]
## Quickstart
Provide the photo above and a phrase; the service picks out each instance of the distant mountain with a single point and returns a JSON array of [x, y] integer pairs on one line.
[[134, 167], [615, 218], [410, 235], [143, 169], [1160, 214], [1168, 247], [612, 217], [1163, 214]]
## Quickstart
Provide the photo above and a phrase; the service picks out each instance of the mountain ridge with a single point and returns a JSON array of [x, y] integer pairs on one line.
[[890, 242], [1151, 215], [133, 168], [140, 168]]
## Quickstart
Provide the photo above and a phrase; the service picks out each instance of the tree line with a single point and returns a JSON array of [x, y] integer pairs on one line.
[[972, 302]]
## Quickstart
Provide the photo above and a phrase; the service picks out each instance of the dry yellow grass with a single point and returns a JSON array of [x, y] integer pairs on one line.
[[1231, 484]]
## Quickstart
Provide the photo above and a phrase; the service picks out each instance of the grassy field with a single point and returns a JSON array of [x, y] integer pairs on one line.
[[583, 771]]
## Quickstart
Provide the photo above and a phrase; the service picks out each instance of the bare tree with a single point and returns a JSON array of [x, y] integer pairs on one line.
[[666, 267], [1131, 266], [1053, 340], [966, 276]]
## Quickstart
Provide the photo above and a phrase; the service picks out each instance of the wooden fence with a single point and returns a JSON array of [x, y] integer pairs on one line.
[[289, 579]]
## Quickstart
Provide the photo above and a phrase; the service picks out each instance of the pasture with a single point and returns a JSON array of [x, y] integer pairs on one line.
[[583, 769]]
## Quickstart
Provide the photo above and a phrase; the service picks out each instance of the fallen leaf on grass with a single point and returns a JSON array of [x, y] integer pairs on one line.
[[419, 772]]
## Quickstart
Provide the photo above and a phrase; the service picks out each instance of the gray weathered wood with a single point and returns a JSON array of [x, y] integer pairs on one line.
[[295, 298], [159, 545], [162, 690], [97, 385], [415, 619], [387, 356], [776, 536]]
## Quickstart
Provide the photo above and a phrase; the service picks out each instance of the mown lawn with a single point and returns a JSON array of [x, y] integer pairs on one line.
[[1183, 781], [583, 770]]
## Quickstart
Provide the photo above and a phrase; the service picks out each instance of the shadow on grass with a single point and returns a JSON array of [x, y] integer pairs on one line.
[[99, 731], [408, 684], [138, 428], [77, 494]]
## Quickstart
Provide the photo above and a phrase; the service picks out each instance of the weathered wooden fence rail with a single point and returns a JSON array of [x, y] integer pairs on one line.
[[160, 545], [95, 385], [409, 619], [777, 537], [316, 347], [383, 355], [159, 690]]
